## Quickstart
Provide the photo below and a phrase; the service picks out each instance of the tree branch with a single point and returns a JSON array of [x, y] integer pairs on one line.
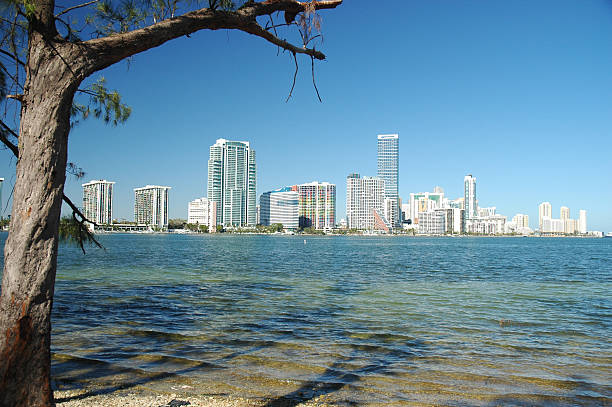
[[76, 7], [6, 141], [103, 52], [13, 57]]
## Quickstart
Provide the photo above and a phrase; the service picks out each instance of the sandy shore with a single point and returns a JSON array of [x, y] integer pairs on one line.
[[150, 398]]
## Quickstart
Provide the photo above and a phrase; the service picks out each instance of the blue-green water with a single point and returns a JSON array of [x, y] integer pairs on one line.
[[367, 320]]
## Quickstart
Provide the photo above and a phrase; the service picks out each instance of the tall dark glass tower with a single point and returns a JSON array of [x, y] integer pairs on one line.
[[388, 171]]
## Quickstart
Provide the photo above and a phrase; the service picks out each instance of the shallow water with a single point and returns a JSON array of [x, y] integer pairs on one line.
[[365, 320]]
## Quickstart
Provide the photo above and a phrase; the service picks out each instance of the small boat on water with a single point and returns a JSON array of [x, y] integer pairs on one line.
[[609, 234]]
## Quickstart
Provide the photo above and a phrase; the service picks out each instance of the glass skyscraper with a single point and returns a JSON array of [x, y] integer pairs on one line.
[[232, 182], [388, 171], [469, 194]]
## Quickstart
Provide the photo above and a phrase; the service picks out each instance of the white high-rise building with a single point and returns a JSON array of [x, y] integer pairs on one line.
[[365, 203], [98, 201], [280, 206], [232, 182], [564, 213], [203, 211], [582, 222], [388, 171], [544, 211], [471, 206], [521, 220], [151, 206]]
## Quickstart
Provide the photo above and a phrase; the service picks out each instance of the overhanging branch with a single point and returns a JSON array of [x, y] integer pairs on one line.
[[103, 52]]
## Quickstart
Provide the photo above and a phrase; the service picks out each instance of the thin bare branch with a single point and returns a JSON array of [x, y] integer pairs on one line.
[[13, 57], [294, 77], [6, 141], [314, 83], [76, 7]]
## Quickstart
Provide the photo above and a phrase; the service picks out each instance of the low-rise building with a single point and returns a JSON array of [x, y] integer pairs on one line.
[[280, 206], [203, 211]]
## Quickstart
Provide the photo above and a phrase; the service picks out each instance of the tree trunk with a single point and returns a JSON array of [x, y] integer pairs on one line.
[[30, 253]]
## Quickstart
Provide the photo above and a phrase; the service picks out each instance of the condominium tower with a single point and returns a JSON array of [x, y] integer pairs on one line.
[[317, 205], [151, 206], [582, 222], [471, 208], [564, 213], [203, 212], [544, 211], [365, 203], [388, 171], [280, 206], [98, 201], [232, 182]]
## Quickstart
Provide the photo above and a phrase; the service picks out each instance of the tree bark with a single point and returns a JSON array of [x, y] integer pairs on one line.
[[30, 252]]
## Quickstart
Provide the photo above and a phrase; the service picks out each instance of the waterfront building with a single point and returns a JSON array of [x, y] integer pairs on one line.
[[280, 206], [471, 206], [388, 171], [521, 220], [491, 225], [552, 226], [544, 211], [151, 206], [564, 213], [424, 202], [232, 183], [455, 220], [432, 222], [582, 222], [570, 226], [365, 203], [317, 205], [98, 201], [203, 211]]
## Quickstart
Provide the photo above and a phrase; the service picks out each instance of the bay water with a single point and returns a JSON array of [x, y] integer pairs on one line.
[[357, 320]]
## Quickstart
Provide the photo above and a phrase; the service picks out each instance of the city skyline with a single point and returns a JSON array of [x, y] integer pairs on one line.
[[524, 108]]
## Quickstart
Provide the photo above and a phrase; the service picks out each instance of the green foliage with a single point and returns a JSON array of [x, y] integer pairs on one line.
[[312, 231], [72, 232], [108, 19], [106, 105], [177, 223], [220, 229]]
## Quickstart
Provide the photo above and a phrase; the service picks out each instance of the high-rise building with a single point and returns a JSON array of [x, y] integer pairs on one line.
[[317, 205], [424, 202], [388, 171], [280, 206], [521, 220], [564, 213], [365, 203], [471, 206], [98, 201], [151, 206], [582, 222], [544, 211], [232, 182], [203, 211]]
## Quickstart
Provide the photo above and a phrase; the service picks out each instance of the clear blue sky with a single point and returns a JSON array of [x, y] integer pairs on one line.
[[518, 93]]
